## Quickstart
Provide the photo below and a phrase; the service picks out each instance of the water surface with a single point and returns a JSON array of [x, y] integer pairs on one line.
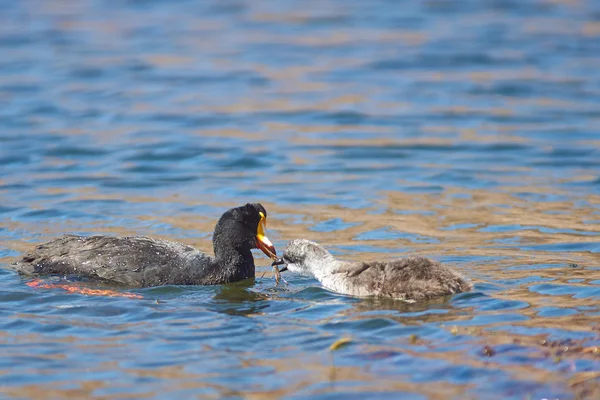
[[467, 131]]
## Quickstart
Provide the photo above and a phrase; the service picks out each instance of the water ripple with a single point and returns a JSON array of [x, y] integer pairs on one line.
[[462, 131]]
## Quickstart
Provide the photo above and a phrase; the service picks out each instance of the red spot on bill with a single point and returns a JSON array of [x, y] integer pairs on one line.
[[71, 287]]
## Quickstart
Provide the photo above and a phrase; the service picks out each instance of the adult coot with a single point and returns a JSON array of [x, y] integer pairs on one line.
[[143, 261]]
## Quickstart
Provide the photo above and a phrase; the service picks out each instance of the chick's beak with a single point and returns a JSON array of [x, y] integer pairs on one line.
[[262, 241], [279, 261]]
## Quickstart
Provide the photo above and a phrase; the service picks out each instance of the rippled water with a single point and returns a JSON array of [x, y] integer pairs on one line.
[[465, 131]]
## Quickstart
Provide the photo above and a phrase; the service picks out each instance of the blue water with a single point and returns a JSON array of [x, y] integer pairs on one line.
[[466, 131]]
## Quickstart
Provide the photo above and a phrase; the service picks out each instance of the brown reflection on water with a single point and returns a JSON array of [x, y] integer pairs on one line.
[[432, 218], [431, 214], [317, 369], [319, 372]]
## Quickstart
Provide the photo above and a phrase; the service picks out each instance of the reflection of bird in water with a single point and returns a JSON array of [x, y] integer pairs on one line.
[[415, 278], [237, 299], [143, 261]]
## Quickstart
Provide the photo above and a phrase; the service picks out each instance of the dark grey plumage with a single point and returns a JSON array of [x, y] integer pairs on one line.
[[414, 278], [143, 261]]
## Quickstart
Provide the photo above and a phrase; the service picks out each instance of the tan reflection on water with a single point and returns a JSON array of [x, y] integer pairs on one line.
[[426, 216], [316, 369]]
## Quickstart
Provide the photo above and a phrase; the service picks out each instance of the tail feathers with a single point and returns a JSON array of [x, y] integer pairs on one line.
[[24, 267], [35, 261], [459, 284], [30, 264]]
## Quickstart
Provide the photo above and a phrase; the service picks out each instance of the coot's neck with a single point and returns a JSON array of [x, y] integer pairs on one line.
[[233, 264]]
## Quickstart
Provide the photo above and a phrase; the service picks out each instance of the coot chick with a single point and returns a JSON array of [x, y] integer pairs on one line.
[[143, 261], [414, 278]]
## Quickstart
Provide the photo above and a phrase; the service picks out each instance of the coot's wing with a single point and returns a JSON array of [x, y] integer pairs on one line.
[[131, 261]]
